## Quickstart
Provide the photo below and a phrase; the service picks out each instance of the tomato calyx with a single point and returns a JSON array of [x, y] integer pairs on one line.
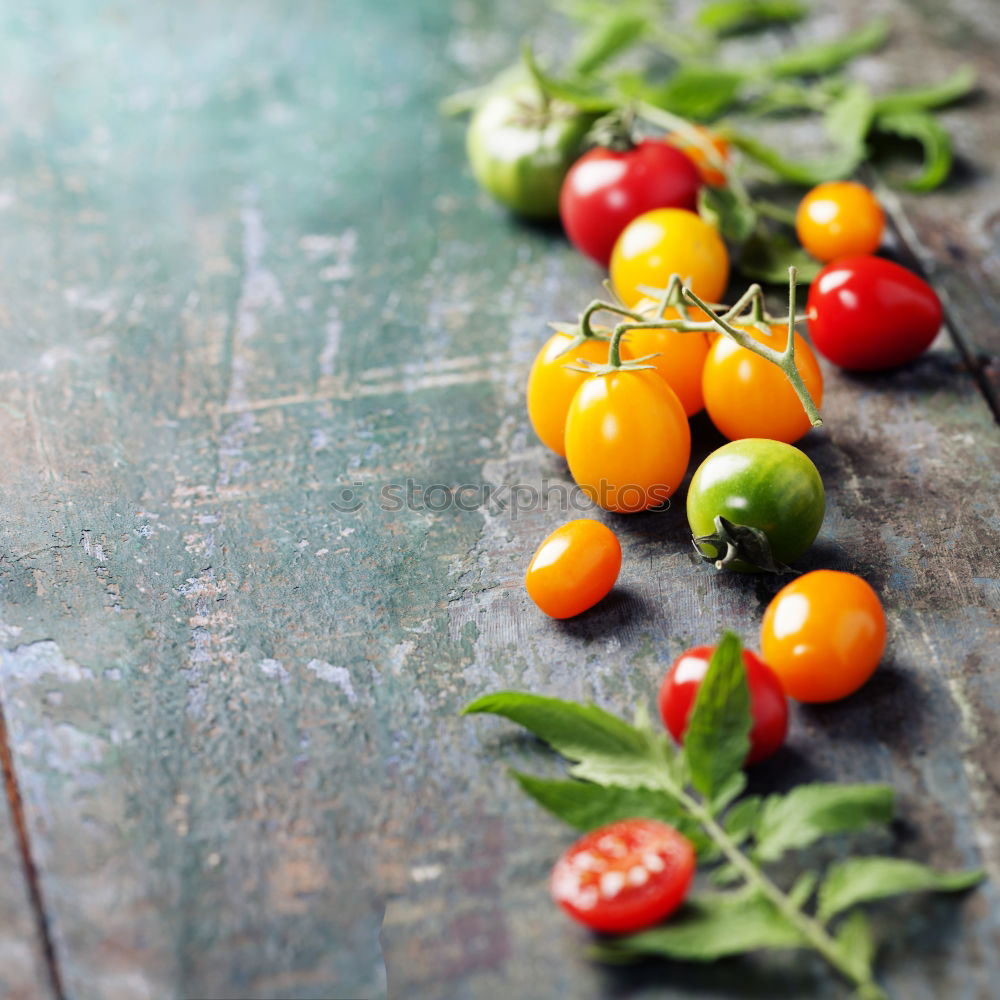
[[738, 543], [615, 131]]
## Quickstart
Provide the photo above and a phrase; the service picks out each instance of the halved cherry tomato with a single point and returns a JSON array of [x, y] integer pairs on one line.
[[574, 568], [624, 876], [768, 705], [552, 385], [823, 635], [669, 241], [607, 188], [627, 440], [709, 174], [839, 219], [868, 314], [747, 396]]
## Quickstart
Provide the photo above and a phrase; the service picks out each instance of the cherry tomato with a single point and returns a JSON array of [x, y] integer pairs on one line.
[[747, 396], [627, 440], [679, 357], [669, 241], [574, 568], [768, 704], [823, 635], [606, 189], [839, 219], [709, 174], [868, 314], [763, 484], [521, 146], [552, 385], [624, 876]]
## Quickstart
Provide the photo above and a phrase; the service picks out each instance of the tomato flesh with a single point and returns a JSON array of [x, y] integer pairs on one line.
[[624, 876]]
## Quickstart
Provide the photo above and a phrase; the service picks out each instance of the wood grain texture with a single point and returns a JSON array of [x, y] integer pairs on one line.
[[247, 271]]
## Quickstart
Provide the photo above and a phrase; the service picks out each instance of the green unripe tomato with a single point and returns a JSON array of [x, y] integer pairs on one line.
[[767, 486], [520, 147]]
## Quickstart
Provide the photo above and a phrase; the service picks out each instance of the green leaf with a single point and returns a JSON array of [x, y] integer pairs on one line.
[[818, 59], [731, 215], [809, 812], [696, 92], [803, 888], [741, 821], [767, 257], [833, 166], [585, 96], [919, 125], [710, 926], [717, 738], [936, 95], [607, 39], [854, 939], [849, 118], [861, 880], [606, 749], [729, 17]]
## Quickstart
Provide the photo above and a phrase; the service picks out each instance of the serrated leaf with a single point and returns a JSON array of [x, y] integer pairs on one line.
[[856, 944], [717, 738], [732, 216], [809, 812], [824, 57], [729, 17], [936, 95], [696, 92], [767, 257], [708, 927], [606, 749], [934, 140], [862, 880], [741, 821], [607, 39]]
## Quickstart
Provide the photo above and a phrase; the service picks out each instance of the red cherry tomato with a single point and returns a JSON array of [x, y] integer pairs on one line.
[[868, 313], [767, 699], [624, 876], [606, 189]]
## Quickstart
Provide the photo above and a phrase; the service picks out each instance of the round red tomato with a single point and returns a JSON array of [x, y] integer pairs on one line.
[[624, 876], [767, 699], [607, 188], [868, 313]]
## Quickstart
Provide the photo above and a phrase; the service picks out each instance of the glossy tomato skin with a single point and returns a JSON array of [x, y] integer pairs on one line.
[[628, 442], [768, 704], [764, 484], [606, 189], [520, 150], [574, 568], [747, 396], [823, 635], [668, 241], [624, 876], [552, 385], [869, 314], [839, 219]]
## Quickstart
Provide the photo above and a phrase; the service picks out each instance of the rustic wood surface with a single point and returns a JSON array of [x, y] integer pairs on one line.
[[246, 270]]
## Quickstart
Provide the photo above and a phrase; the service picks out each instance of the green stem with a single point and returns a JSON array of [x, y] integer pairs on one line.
[[777, 212], [586, 330]]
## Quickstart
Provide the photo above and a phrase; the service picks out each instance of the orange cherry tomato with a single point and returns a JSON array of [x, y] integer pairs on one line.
[[680, 357], [839, 219], [552, 385], [627, 440], [574, 568], [747, 396], [823, 635], [709, 174], [668, 241]]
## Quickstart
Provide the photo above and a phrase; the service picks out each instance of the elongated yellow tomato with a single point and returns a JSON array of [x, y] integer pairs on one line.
[[669, 241], [627, 440], [552, 385]]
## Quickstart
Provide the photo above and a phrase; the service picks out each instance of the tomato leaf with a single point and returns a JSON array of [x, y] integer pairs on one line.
[[838, 163], [710, 926], [718, 734], [919, 125], [854, 939], [730, 17], [585, 96], [607, 39], [818, 59], [936, 95], [767, 258], [809, 812], [861, 880], [849, 118], [606, 749], [731, 215], [741, 821], [697, 92]]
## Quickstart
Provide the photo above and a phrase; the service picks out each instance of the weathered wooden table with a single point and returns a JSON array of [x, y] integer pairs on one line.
[[247, 283]]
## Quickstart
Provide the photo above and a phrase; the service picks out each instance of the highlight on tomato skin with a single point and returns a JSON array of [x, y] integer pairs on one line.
[[625, 876], [839, 219]]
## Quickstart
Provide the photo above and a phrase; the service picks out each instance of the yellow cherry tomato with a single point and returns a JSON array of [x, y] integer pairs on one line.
[[749, 397], [668, 241], [709, 174], [551, 385], [840, 219], [823, 635], [574, 568], [627, 440]]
